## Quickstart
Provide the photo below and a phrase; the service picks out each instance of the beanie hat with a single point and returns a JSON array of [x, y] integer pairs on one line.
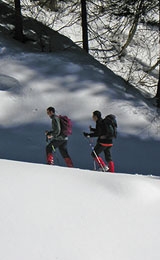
[[97, 113]]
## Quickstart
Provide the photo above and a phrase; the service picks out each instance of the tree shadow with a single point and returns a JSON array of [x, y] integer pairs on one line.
[[131, 154]]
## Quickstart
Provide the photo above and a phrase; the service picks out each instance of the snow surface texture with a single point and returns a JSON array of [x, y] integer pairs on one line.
[[58, 213]]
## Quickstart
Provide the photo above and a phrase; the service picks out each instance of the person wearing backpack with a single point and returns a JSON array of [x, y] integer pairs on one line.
[[104, 142], [56, 139]]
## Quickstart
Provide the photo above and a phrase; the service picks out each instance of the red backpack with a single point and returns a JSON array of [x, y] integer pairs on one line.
[[66, 125]]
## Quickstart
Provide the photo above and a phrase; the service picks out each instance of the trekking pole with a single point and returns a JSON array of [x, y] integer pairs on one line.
[[92, 148], [55, 154], [94, 162]]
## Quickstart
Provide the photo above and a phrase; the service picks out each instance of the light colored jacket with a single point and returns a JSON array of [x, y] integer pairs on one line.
[[56, 129]]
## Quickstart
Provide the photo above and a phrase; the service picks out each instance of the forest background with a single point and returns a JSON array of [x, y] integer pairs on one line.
[[123, 35]]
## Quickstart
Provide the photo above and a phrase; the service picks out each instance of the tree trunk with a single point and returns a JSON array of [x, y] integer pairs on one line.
[[158, 87], [133, 28], [84, 25], [158, 91], [18, 22]]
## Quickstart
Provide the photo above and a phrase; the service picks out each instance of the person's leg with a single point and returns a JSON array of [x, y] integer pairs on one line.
[[95, 154], [108, 158], [50, 158], [64, 152], [49, 150], [111, 166]]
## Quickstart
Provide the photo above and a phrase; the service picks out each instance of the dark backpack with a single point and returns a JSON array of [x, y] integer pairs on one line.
[[66, 125], [110, 126]]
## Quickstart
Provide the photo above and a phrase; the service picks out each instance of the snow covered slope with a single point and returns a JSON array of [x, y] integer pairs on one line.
[[57, 213]]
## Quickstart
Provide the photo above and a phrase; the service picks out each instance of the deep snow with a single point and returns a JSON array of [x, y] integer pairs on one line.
[[71, 214]]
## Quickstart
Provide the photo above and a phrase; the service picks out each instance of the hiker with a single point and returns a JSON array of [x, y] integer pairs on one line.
[[56, 139], [104, 143]]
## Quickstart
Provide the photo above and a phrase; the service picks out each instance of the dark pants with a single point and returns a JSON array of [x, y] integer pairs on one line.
[[99, 149], [61, 145]]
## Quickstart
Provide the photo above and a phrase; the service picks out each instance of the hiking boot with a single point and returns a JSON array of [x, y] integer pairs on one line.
[[111, 166], [50, 159], [68, 162]]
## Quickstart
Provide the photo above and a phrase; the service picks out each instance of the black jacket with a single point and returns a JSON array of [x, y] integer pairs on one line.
[[99, 132]]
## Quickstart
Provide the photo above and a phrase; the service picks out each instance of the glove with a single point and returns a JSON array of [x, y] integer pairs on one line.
[[48, 135], [91, 129], [86, 134]]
